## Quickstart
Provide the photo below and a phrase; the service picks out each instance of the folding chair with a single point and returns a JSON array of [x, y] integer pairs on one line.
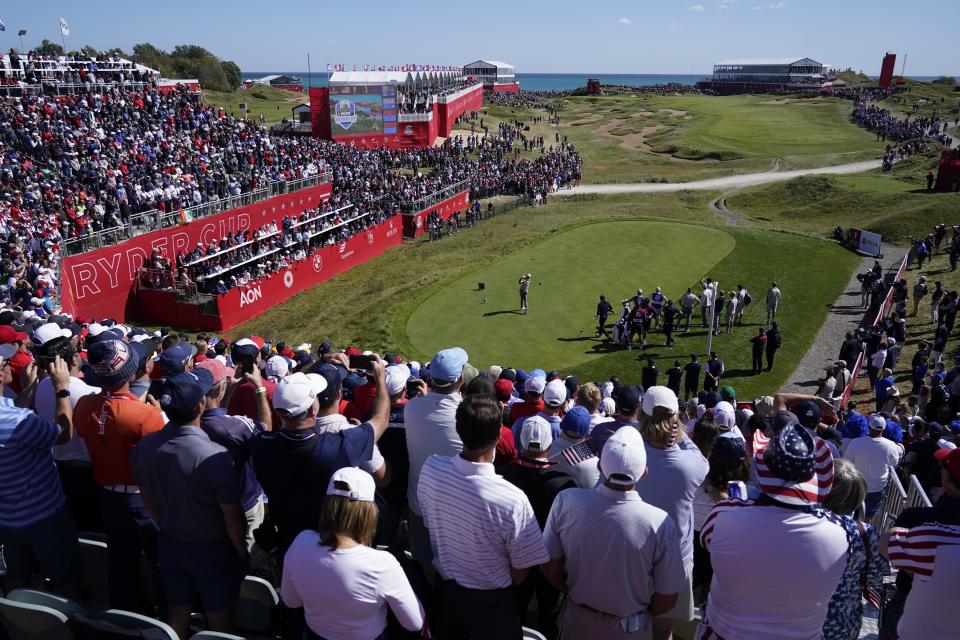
[[24, 621], [94, 560], [257, 605], [130, 620], [65, 606], [214, 635], [532, 634]]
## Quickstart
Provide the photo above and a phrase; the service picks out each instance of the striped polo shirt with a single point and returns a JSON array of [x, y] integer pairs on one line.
[[480, 524], [617, 549], [29, 485]]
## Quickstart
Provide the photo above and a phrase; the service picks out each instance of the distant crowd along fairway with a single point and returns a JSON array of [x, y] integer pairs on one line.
[[647, 138]]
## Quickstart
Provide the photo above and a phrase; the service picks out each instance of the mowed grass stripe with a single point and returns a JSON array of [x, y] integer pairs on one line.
[[570, 271]]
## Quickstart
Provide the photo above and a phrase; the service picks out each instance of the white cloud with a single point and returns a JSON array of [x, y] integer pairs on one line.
[[757, 7], [724, 7], [625, 22], [697, 8], [776, 5], [673, 25]]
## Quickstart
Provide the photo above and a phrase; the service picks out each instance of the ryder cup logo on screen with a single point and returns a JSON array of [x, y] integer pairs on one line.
[[345, 114]]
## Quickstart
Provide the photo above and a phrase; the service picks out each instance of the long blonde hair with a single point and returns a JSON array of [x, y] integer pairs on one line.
[[342, 517], [660, 429]]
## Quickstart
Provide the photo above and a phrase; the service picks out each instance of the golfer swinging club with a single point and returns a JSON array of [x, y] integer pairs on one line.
[[524, 286]]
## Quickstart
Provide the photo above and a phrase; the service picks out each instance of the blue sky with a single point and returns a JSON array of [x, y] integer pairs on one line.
[[610, 36]]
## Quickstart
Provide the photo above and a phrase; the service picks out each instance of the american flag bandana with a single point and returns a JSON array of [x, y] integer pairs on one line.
[[809, 492]]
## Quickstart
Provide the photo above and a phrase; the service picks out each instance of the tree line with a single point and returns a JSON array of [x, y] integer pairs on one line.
[[185, 61]]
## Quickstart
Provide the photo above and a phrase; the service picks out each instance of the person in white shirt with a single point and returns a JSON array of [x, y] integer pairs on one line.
[[342, 584], [73, 461], [773, 302], [874, 455], [483, 530], [778, 559], [430, 422], [616, 557]]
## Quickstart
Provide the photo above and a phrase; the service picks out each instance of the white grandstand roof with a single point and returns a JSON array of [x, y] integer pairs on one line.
[[493, 63], [764, 61], [343, 78]]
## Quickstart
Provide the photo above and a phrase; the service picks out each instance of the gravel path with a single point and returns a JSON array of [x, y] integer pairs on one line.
[[725, 183], [845, 315]]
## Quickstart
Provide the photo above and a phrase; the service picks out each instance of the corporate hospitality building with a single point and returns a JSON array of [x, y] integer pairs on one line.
[[495, 75], [768, 74]]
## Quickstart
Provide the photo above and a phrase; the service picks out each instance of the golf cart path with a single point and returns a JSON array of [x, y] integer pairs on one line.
[[725, 183], [845, 315]]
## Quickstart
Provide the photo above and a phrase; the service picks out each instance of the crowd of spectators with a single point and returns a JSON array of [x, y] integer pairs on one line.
[[888, 125], [75, 68], [501, 484]]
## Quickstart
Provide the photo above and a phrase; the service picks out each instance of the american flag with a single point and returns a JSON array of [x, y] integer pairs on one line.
[[577, 453], [915, 550], [813, 491]]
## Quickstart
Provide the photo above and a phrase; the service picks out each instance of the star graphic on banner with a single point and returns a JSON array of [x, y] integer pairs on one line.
[[283, 205], [273, 209]]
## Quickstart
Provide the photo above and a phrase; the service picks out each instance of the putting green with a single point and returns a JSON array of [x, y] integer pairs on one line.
[[570, 270]]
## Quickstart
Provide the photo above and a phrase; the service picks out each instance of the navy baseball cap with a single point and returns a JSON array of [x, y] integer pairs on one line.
[[808, 413], [576, 422], [174, 359], [627, 398], [185, 389], [334, 376]]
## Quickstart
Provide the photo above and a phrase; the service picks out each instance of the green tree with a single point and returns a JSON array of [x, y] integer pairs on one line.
[[89, 51], [48, 48], [947, 80], [232, 73]]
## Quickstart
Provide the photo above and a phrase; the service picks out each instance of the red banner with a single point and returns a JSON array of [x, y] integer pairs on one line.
[[416, 223], [242, 303], [98, 283]]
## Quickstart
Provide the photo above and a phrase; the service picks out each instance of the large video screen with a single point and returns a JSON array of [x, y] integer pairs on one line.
[[363, 110]]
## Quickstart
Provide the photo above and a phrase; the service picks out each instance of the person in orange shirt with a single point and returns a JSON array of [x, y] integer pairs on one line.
[[111, 424]]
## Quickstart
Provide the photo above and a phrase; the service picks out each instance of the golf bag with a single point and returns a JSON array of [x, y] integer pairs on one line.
[[620, 333]]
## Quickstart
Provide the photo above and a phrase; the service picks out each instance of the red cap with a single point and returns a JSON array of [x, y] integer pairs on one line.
[[257, 340], [8, 334], [950, 459], [352, 351], [287, 353], [504, 389]]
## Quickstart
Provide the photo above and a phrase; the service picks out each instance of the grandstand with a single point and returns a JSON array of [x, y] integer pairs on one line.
[[495, 75], [32, 73], [769, 74]]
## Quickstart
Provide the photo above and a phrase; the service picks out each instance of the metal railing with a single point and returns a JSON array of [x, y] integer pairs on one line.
[[147, 221], [916, 496], [415, 117], [415, 206], [893, 502]]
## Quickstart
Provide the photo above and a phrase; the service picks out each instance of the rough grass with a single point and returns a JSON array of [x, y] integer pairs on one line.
[[741, 132], [274, 104], [894, 204]]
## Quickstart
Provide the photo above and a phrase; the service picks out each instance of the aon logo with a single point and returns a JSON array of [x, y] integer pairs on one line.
[[250, 296]]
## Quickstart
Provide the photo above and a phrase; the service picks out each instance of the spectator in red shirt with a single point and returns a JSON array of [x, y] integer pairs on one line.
[[533, 401], [19, 360], [243, 402]]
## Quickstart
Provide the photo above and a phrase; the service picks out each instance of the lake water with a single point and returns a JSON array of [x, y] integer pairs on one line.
[[548, 81]]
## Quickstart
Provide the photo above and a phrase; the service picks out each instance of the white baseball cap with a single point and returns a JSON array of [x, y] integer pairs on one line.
[[95, 328], [50, 331], [659, 396], [623, 459], [397, 376], [535, 385], [536, 434], [277, 367], [555, 393], [353, 483], [295, 393], [725, 415], [877, 423]]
